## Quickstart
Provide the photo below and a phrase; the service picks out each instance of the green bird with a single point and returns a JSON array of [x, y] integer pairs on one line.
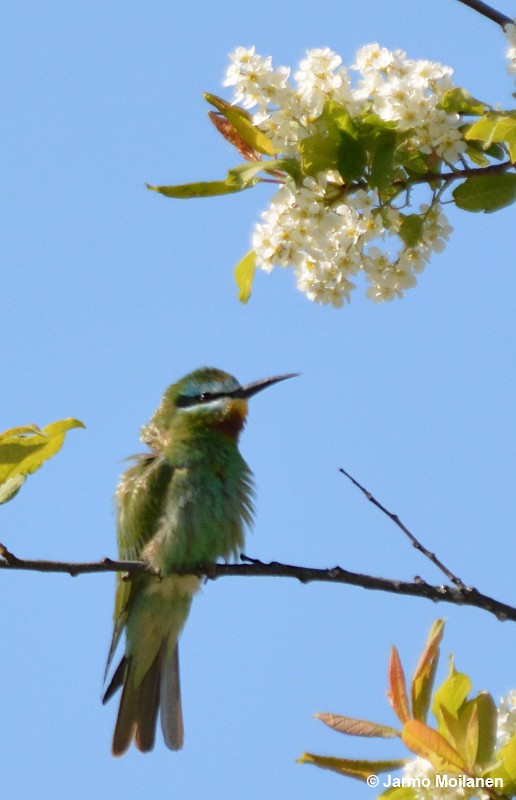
[[185, 502]]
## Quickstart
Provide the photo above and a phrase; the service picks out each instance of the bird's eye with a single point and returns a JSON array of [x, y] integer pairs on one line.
[[205, 397]]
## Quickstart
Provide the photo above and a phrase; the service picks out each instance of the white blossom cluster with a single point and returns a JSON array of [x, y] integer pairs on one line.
[[419, 769], [422, 777], [506, 719], [328, 238], [510, 34]]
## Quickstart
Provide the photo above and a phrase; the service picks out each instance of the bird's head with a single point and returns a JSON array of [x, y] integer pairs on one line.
[[206, 399]]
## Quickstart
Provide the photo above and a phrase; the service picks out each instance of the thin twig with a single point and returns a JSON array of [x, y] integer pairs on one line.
[[415, 542], [489, 12], [447, 177], [461, 596]]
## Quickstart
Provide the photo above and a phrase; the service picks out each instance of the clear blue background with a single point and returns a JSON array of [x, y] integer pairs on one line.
[[109, 293]]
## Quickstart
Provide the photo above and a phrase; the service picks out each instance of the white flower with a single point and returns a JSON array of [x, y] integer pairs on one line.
[[373, 58], [506, 728], [248, 73], [510, 34], [318, 80], [327, 231], [421, 776]]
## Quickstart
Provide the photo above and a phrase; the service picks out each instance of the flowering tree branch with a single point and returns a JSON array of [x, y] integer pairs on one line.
[[345, 147], [462, 596], [489, 12]]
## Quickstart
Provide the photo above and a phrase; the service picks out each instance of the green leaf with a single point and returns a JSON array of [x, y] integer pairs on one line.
[[468, 719], [487, 721], [244, 174], [495, 151], [242, 122], [483, 129], [506, 769], [186, 191], [415, 163], [238, 178], [476, 154], [23, 450], [382, 165], [319, 153], [340, 147], [505, 131], [462, 733], [244, 275], [411, 229], [357, 727], [424, 674], [452, 693], [399, 793], [486, 193], [351, 154], [353, 768], [495, 127], [459, 101]]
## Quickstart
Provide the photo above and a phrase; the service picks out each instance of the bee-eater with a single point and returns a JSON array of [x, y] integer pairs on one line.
[[185, 502]]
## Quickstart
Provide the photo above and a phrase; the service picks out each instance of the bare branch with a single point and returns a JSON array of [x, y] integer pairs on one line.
[[462, 596], [415, 542], [489, 12]]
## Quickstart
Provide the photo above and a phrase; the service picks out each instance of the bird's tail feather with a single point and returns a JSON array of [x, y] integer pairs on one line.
[[170, 702], [158, 690]]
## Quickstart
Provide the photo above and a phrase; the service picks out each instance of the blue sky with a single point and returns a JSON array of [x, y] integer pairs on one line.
[[110, 293]]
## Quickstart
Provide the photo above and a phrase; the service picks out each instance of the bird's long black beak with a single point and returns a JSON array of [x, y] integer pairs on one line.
[[253, 388]]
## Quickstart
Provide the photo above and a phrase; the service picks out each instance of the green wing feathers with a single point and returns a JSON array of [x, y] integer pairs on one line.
[[140, 500]]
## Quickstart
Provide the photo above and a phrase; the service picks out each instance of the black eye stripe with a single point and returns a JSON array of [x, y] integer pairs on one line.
[[185, 401]]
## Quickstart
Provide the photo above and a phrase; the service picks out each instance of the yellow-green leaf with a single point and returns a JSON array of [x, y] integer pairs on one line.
[[353, 768], [186, 191], [452, 693], [244, 176], [399, 793], [487, 721], [505, 131], [429, 744], [397, 693], [244, 275], [462, 733], [241, 120], [495, 127], [506, 768], [469, 724], [459, 101], [10, 487], [483, 129], [424, 674], [23, 450], [357, 727]]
